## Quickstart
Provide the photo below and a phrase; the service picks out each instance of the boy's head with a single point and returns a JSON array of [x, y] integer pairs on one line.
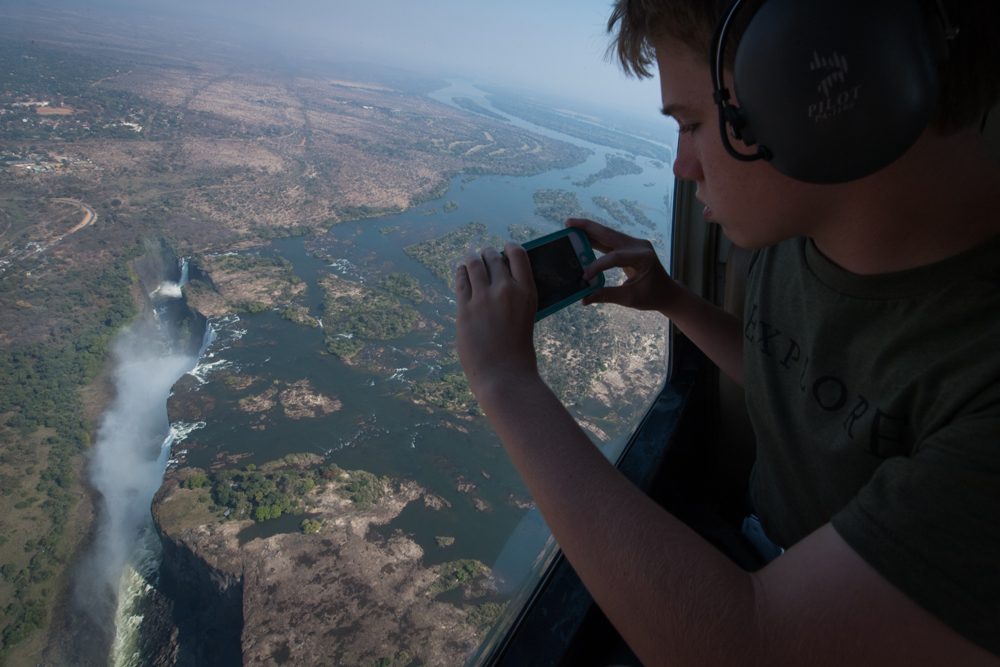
[[970, 74]]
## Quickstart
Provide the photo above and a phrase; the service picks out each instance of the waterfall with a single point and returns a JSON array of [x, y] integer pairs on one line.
[[126, 468], [170, 289]]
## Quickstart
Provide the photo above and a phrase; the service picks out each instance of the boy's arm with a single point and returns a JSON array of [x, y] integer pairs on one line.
[[673, 597], [648, 287], [676, 599], [718, 334]]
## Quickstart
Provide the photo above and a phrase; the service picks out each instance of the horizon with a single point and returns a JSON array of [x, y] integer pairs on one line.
[[558, 51]]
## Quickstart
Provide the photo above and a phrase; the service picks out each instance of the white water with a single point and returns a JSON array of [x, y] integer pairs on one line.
[[126, 468], [144, 562], [168, 289], [129, 460], [134, 586]]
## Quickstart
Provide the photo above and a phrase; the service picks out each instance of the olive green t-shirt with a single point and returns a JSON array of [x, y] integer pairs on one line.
[[875, 402]]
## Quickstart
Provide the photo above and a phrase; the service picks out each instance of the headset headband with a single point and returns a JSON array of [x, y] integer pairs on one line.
[[729, 114]]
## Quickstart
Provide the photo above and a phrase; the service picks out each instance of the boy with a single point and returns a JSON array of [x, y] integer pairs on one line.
[[868, 352]]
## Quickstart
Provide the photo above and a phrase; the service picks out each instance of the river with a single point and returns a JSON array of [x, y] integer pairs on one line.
[[379, 428]]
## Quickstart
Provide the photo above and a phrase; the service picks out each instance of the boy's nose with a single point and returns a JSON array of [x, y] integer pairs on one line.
[[687, 166]]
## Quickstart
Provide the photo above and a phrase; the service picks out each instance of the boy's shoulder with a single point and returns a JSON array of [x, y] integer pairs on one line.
[[976, 269]]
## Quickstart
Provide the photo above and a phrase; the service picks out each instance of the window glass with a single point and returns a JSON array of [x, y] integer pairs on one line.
[[226, 251]]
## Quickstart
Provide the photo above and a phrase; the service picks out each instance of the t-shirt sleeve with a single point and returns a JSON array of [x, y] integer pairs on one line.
[[930, 524]]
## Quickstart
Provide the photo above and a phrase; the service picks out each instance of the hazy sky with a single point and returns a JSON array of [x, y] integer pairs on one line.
[[554, 45], [551, 45]]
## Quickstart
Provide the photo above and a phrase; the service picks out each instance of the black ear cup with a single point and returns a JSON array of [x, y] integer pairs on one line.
[[834, 90]]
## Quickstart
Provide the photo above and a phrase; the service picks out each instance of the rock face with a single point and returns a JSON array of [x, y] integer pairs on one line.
[[343, 596], [204, 582]]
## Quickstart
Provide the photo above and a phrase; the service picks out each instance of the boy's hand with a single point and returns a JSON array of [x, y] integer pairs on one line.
[[497, 301], [647, 285]]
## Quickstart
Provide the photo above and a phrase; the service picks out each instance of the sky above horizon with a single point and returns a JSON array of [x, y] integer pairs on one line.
[[553, 46]]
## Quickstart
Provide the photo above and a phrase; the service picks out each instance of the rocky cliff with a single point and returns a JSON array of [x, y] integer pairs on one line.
[[342, 594]]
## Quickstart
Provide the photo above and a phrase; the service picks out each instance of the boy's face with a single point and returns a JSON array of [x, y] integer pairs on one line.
[[754, 203]]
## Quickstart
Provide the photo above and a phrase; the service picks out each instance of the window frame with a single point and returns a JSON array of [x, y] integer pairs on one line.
[[545, 621]]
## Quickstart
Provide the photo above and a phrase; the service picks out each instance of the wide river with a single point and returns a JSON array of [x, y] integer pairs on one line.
[[379, 428]]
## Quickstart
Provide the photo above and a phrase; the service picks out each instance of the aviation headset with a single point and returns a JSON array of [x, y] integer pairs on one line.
[[830, 90]]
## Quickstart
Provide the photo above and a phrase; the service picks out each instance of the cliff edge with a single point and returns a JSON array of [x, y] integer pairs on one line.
[[335, 592]]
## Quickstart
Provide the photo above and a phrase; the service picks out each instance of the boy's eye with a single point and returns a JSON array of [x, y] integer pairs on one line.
[[686, 128]]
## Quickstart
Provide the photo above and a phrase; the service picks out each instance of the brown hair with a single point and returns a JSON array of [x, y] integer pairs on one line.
[[970, 75]]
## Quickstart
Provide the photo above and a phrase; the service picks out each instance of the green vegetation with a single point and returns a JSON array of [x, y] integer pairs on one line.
[[250, 306], [377, 316], [248, 283], [260, 495], [522, 233], [640, 216], [349, 213], [45, 73], [557, 205], [43, 434], [567, 369], [485, 616], [299, 314], [403, 286], [626, 212], [441, 255], [343, 346], [616, 166], [399, 659], [454, 574], [278, 232], [365, 489], [613, 208], [196, 481], [311, 526], [449, 392], [282, 487], [232, 261]]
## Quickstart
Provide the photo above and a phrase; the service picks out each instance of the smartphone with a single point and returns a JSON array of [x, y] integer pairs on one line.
[[557, 262]]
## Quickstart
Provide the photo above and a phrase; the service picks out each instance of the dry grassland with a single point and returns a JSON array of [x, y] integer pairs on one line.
[[173, 87], [115, 157], [207, 154], [249, 102]]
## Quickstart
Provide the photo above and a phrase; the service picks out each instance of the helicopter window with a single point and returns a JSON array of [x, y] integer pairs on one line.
[[225, 267]]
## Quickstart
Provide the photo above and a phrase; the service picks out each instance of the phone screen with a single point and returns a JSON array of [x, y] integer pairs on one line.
[[557, 271]]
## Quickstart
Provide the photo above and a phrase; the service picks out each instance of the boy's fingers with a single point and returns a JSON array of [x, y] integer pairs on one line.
[[613, 259], [476, 270], [462, 286], [495, 265], [602, 263], [600, 296], [602, 238], [606, 295], [520, 265]]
